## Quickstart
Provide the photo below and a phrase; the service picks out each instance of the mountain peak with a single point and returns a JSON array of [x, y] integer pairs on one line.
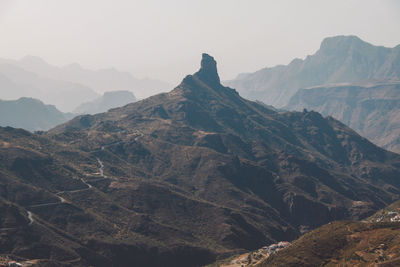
[[342, 42], [208, 71]]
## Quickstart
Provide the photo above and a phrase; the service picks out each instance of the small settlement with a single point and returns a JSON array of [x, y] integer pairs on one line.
[[255, 257]]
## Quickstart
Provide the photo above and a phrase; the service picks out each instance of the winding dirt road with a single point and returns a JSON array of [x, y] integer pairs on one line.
[[30, 217], [61, 200]]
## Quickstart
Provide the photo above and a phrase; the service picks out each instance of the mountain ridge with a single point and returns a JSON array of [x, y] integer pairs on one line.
[[339, 59]]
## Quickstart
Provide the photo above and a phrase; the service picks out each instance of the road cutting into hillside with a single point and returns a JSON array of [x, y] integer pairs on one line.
[[61, 199]]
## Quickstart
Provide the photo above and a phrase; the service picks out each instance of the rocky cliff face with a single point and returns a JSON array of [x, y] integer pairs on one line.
[[372, 110], [339, 59]]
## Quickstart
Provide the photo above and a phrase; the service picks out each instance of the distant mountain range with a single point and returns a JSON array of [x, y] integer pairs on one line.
[[372, 110], [33, 115], [340, 59], [69, 86], [30, 114], [16, 82], [101, 80], [107, 101]]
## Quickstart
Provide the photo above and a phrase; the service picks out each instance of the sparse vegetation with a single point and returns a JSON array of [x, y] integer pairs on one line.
[[343, 243]]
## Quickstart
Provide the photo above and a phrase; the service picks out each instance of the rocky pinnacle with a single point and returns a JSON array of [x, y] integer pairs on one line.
[[208, 71]]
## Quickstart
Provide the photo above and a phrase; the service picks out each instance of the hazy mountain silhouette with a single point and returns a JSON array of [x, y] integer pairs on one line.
[[30, 114], [16, 82], [339, 59], [107, 101], [102, 80], [372, 110]]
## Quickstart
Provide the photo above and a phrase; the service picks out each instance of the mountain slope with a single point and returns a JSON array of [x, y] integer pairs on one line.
[[58, 185], [371, 110], [371, 242], [107, 101], [340, 59], [30, 114], [390, 213], [343, 244]]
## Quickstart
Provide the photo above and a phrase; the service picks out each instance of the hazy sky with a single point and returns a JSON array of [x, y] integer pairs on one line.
[[164, 38]]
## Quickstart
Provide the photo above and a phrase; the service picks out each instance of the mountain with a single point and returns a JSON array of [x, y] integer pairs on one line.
[[275, 169], [343, 243], [371, 242], [107, 101], [99, 80], [185, 177], [340, 59], [30, 114], [16, 82], [372, 110]]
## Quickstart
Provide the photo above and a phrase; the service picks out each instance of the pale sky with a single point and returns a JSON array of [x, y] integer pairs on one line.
[[164, 39]]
